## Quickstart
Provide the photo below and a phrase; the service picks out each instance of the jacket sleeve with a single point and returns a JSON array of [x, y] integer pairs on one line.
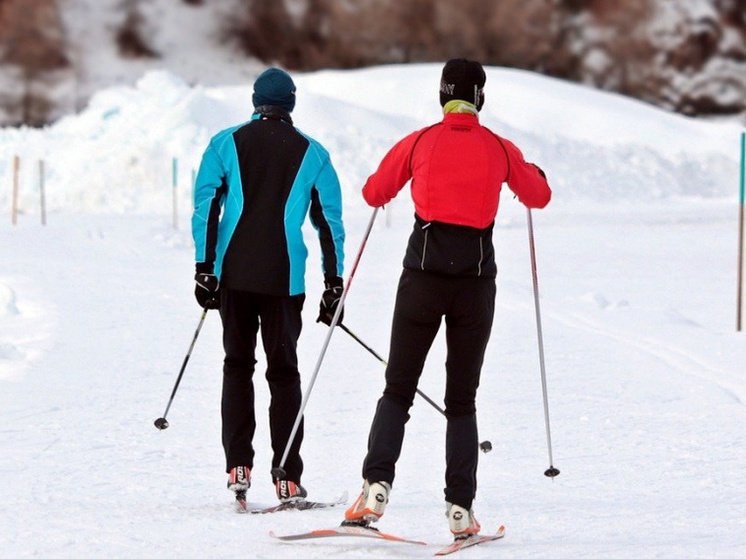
[[209, 188], [326, 217], [392, 174], [526, 179]]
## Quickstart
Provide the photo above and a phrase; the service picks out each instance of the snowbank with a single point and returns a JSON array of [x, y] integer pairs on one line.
[[117, 155]]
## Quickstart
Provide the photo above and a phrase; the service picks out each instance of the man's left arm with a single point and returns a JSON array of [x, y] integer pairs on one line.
[[326, 216]]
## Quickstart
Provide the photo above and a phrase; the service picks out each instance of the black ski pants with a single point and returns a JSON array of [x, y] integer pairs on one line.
[[422, 300], [242, 313]]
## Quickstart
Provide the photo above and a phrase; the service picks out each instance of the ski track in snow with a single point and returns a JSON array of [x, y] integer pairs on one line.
[[676, 358]]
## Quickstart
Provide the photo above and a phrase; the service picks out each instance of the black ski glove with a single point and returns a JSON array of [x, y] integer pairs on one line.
[[330, 300], [207, 290]]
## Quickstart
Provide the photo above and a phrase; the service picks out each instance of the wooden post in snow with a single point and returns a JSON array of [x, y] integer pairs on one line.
[[175, 183], [740, 231]]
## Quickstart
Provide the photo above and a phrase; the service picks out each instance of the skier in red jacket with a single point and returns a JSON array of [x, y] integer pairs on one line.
[[457, 167]]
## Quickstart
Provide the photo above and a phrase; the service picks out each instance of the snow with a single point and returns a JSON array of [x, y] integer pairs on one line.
[[637, 273]]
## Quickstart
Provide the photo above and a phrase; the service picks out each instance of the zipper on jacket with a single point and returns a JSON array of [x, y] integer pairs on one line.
[[424, 245], [481, 257]]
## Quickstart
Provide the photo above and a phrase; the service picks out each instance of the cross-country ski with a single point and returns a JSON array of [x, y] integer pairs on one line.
[[303, 504], [346, 530], [471, 541]]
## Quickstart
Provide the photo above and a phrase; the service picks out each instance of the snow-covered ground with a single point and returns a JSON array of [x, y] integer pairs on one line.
[[637, 259]]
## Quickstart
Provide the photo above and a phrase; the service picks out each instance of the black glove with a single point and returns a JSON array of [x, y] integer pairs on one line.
[[207, 290], [330, 301]]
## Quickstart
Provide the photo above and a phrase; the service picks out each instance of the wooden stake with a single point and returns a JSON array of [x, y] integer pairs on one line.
[[175, 176], [740, 231]]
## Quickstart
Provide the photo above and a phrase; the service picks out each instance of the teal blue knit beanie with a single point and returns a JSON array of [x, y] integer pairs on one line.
[[274, 87]]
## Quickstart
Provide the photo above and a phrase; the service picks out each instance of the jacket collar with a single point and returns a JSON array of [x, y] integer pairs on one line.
[[460, 118], [272, 112], [459, 106]]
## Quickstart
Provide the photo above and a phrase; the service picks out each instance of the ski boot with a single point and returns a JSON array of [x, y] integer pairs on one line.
[[239, 481], [289, 491], [370, 505], [461, 522]]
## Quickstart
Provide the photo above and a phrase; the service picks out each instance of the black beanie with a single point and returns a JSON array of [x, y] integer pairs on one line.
[[464, 80], [274, 87]]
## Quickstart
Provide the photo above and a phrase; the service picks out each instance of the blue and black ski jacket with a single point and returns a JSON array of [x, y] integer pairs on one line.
[[255, 186]]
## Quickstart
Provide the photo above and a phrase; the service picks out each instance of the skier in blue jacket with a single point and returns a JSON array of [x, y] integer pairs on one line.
[[256, 184]]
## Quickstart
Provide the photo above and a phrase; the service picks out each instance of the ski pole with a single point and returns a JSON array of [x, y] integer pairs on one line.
[[485, 446], [161, 422], [552, 471], [279, 471], [385, 363]]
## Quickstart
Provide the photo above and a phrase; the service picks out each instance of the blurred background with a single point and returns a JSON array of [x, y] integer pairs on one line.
[[687, 56]]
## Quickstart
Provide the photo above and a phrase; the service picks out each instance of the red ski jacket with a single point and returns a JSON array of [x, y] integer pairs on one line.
[[457, 167]]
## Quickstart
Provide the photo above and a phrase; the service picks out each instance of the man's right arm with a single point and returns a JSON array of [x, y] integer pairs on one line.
[[392, 174], [209, 188]]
